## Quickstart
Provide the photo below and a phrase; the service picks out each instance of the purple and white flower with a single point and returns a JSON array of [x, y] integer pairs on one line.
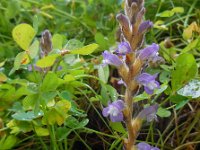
[[123, 48], [149, 53], [145, 146], [114, 110], [111, 59], [144, 26], [121, 82], [149, 113], [149, 82]]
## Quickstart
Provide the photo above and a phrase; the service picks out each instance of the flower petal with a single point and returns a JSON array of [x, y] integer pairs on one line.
[[144, 78], [144, 26], [117, 118], [155, 148], [158, 84], [111, 59], [148, 91], [123, 48], [105, 111], [149, 52], [121, 82], [119, 104], [143, 146], [149, 113]]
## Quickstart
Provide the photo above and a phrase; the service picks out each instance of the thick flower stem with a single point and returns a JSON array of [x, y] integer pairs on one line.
[[129, 143]]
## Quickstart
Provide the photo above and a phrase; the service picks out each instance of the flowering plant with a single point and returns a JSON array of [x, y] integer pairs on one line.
[[131, 59]]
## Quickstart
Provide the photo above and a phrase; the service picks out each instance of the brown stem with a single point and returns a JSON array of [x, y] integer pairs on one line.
[[128, 119]]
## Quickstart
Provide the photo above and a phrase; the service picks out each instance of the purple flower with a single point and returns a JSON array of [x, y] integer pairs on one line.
[[149, 82], [145, 146], [121, 82], [149, 113], [111, 59], [59, 68], [144, 26], [123, 48], [114, 110], [149, 52], [36, 68]]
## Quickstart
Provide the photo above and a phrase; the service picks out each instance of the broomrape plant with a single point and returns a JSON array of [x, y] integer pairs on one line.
[[131, 60]]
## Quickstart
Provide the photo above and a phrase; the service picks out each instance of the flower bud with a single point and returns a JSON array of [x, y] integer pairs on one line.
[[45, 42], [111, 59], [145, 26]]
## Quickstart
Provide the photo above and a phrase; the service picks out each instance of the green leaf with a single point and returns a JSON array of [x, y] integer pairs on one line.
[[77, 72], [7, 92], [41, 131], [86, 50], [69, 77], [103, 73], [73, 44], [50, 82], [12, 9], [62, 107], [162, 88], [57, 41], [192, 89], [73, 123], [112, 92], [8, 142], [30, 101], [23, 34], [19, 126], [117, 126], [21, 59], [83, 123], [34, 49], [167, 13], [47, 98], [100, 39], [53, 117], [62, 133], [104, 94], [163, 112], [66, 95], [142, 96], [164, 76], [26, 116], [177, 98], [181, 104], [178, 10], [185, 70], [47, 61], [3, 77], [191, 46], [35, 23]]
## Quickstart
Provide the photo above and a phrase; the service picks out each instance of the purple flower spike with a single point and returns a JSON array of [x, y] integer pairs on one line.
[[114, 110], [145, 146], [144, 26], [111, 59], [149, 82], [123, 48], [149, 52], [149, 113]]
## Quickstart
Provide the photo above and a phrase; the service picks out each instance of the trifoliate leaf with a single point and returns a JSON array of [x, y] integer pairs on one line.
[[23, 34]]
